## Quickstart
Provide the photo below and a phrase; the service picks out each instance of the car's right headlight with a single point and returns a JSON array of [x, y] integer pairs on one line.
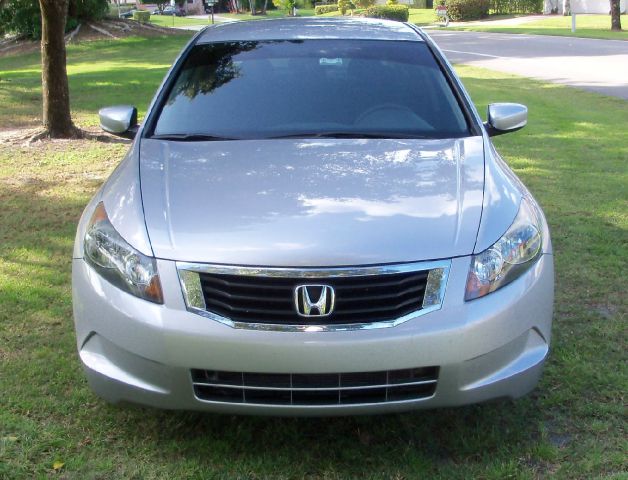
[[508, 258], [117, 261]]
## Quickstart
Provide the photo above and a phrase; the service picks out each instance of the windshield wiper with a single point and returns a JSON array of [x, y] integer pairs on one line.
[[201, 137], [348, 134], [194, 137]]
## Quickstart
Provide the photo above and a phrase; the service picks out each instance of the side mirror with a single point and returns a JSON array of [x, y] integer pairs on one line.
[[505, 118], [121, 120]]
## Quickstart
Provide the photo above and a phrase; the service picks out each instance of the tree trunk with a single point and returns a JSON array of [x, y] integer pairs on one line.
[[252, 5], [54, 78], [615, 15], [264, 7]]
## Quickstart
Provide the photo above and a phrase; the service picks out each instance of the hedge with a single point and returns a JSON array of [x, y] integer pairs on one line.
[[462, 10], [505, 7], [320, 9], [141, 16], [23, 17], [390, 12]]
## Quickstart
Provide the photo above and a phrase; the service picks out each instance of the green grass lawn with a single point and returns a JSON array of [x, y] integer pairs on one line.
[[423, 16], [589, 26], [572, 156]]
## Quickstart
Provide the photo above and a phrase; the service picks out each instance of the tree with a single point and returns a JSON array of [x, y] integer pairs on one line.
[[615, 15], [23, 17], [54, 77], [287, 5], [364, 3]]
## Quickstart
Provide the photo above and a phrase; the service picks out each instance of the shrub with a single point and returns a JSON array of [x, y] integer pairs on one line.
[[87, 9], [461, 10], [392, 2], [505, 7], [319, 10], [141, 16], [390, 12], [23, 17]]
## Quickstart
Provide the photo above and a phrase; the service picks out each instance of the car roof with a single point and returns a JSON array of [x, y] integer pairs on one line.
[[310, 28]]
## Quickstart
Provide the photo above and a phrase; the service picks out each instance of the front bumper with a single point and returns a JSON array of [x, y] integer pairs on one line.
[[139, 352]]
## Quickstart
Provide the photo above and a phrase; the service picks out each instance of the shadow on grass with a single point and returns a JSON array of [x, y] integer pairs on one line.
[[349, 445]]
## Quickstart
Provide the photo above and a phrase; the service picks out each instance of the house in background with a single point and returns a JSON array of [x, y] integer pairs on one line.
[[190, 7], [193, 7], [582, 6]]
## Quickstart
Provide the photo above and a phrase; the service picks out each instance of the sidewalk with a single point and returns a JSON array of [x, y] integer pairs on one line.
[[217, 18], [504, 22]]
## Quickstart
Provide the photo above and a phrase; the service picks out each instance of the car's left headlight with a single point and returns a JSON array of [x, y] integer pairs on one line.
[[508, 258], [117, 261]]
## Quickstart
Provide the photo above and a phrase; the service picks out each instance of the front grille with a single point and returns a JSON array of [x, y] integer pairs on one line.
[[315, 389], [270, 299]]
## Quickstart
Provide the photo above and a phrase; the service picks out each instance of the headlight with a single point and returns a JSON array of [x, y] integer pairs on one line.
[[117, 261], [509, 257]]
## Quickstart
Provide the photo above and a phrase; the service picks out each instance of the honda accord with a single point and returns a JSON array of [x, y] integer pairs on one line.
[[312, 220]]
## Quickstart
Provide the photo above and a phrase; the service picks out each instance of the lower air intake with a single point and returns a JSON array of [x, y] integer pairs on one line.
[[315, 389]]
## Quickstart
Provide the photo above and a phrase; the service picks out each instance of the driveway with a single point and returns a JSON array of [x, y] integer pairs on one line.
[[597, 65]]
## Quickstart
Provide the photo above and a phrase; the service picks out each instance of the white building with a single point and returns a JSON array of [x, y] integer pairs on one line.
[[582, 6]]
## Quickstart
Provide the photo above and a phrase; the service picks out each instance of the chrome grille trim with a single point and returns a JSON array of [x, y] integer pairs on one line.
[[315, 389], [188, 284], [310, 390], [313, 272]]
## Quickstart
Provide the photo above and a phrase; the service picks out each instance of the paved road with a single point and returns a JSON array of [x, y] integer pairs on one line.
[[597, 65]]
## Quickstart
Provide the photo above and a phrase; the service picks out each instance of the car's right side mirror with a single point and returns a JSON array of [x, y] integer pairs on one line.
[[505, 118], [120, 120]]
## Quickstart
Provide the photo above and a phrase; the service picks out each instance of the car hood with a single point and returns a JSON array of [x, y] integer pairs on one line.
[[314, 202]]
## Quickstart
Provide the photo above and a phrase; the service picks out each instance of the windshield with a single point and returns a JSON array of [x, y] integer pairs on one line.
[[336, 88]]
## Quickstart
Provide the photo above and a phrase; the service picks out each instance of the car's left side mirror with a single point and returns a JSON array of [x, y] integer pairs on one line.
[[505, 118], [120, 120]]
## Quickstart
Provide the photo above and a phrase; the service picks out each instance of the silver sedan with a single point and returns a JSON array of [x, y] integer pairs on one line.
[[312, 220]]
